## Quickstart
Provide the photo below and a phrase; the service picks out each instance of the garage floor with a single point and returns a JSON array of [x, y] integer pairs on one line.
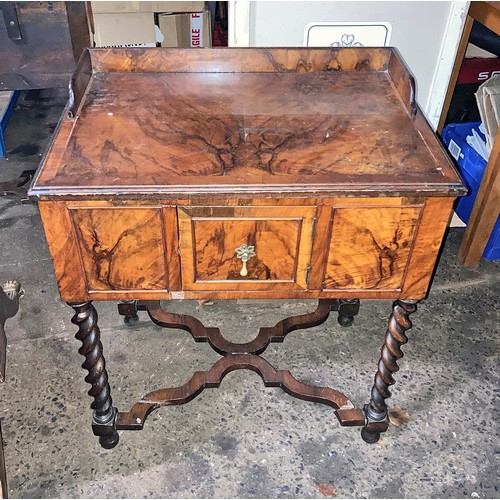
[[243, 440]]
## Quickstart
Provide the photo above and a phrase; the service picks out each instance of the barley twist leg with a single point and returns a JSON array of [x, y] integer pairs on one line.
[[377, 420], [104, 414]]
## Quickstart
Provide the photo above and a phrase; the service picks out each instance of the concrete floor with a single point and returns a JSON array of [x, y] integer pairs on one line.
[[243, 440]]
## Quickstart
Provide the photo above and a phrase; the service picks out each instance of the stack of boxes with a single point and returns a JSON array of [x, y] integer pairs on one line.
[[189, 27], [146, 24]]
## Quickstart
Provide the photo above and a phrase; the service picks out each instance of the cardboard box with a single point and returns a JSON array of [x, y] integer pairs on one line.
[[113, 30], [119, 7], [138, 6], [186, 30], [488, 102], [174, 7]]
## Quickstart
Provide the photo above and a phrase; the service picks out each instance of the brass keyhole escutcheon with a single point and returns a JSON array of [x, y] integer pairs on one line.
[[245, 252]]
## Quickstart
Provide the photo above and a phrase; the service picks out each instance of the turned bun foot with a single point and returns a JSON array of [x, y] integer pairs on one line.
[[345, 320], [347, 308], [109, 441], [369, 437], [131, 320]]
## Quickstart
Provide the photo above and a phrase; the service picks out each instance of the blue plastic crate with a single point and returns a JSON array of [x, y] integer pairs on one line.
[[8, 102], [471, 166]]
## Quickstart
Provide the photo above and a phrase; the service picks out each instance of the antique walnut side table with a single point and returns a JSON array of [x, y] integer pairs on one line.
[[243, 173]]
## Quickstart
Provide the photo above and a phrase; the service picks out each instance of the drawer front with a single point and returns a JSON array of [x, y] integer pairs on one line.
[[121, 248], [245, 248], [370, 247]]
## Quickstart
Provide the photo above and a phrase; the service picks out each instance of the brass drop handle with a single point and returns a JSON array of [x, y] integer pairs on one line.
[[245, 252]]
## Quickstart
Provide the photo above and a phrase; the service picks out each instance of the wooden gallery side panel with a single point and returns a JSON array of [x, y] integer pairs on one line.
[[106, 250]]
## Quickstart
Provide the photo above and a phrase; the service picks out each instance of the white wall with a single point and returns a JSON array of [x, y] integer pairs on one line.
[[426, 33]]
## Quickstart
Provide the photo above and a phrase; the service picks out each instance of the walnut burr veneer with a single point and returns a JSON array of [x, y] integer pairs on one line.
[[243, 173]]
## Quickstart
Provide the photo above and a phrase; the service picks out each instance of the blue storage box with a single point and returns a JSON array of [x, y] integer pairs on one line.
[[8, 100], [471, 165]]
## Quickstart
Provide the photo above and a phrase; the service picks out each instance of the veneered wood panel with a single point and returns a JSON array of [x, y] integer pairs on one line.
[[275, 243], [171, 238], [319, 252], [63, 250], [121, 248], [209, 238], [241, 60], [431, 230], [369, 247], [403, 81]]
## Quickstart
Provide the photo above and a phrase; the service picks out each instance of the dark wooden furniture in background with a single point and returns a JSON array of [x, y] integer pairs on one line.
[[487, 205], [40, 43], [243, 173], [9, 305]]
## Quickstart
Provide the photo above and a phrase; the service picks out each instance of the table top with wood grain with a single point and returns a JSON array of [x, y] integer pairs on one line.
[[270, 121]]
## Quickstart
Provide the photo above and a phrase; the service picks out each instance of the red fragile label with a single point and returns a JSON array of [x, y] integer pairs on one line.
[[196, 29]]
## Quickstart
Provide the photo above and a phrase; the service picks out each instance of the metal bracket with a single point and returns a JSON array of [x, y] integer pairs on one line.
[[9, 10], [18, 187]]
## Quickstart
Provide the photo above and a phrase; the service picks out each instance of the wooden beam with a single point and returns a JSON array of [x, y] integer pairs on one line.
[[486, 13], [462, 47], [485, 211]]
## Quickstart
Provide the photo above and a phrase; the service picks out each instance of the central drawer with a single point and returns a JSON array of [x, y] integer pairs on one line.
[[245, 248]]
